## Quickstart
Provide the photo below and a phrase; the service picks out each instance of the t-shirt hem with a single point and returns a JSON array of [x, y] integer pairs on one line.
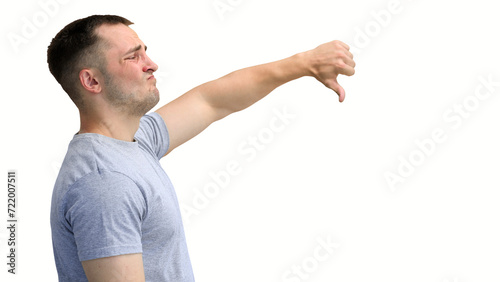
[[109, 252]]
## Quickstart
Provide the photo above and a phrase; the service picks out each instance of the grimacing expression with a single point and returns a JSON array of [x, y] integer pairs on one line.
[[129, 84]]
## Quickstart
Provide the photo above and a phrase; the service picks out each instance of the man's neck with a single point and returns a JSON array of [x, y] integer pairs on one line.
[[117, 127]]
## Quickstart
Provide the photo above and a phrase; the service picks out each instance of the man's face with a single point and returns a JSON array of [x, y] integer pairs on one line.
[[129, 82]]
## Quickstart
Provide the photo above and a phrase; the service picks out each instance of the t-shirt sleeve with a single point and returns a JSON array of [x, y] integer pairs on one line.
[[104, 211], [153, 134]]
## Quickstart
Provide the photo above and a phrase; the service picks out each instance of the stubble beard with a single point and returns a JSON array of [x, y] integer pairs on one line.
[[126, 101]]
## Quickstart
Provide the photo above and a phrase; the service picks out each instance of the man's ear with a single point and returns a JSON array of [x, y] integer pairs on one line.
[[90, 81]]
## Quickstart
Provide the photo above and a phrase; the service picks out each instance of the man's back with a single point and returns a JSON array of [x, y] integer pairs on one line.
[[111, 198]]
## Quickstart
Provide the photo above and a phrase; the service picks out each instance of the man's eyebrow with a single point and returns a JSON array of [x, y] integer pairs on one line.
[[135, 49]]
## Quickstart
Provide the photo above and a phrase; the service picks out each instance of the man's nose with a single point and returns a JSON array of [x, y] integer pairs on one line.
[[150, 65]]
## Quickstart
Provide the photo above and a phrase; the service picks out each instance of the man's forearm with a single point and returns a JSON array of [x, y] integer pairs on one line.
[[240, 89]]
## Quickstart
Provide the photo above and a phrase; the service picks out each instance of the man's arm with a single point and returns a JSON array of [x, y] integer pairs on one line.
[[116, 268], [194, 111]]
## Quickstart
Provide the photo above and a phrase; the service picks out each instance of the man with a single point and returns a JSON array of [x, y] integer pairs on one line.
[[114, 214]]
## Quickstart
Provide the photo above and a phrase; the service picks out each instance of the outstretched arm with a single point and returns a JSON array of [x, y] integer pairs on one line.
[[195, 110]]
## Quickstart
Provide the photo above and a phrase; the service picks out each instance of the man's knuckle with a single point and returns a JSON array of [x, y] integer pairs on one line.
[[340, 54], [340, 63]]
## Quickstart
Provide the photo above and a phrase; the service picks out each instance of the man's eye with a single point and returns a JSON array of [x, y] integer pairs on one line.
[[131, 58]]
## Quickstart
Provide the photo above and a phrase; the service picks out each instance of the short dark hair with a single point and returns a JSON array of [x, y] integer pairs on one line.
[[76, 47]]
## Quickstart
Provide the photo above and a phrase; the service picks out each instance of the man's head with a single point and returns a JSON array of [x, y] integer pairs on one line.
[[98, 60]]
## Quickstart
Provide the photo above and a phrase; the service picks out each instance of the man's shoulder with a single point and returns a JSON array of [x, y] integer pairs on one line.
[[88, 155], [104, 184], [112, 189]]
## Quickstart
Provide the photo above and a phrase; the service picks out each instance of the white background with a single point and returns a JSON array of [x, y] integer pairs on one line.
[[322, 176]]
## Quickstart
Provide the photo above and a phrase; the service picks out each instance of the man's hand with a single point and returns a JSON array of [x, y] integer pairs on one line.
[[329, 60]]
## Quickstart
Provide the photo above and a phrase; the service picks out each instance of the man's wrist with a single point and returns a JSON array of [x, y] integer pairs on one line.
[[303, 64], [294, 67]]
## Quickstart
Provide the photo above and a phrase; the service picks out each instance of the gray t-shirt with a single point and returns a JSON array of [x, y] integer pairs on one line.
[[112, 197]]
